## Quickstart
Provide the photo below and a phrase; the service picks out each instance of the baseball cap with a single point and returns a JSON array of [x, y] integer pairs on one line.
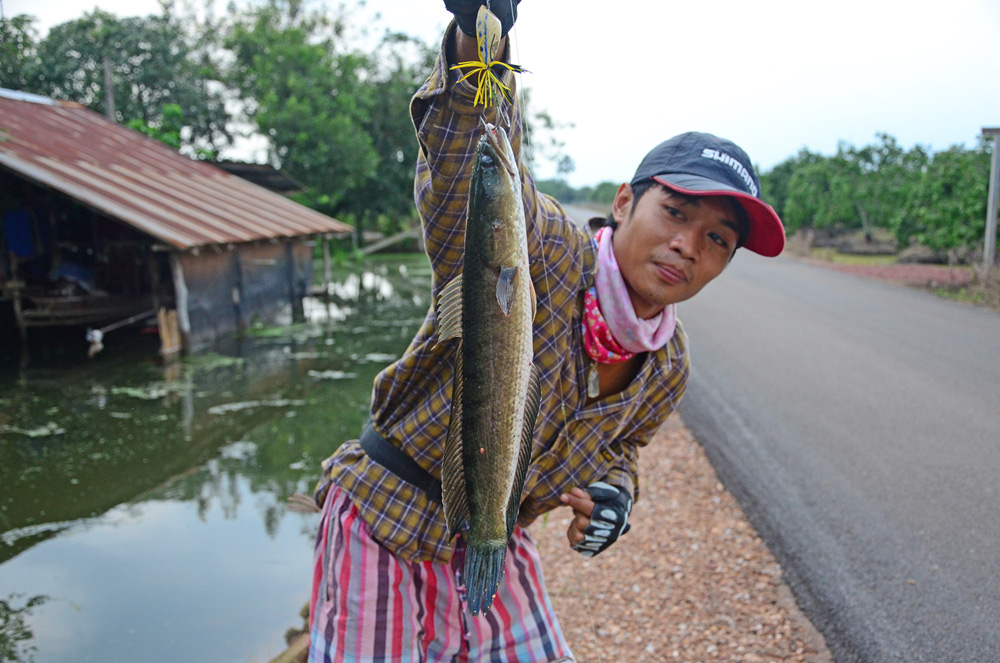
[[700, 164]]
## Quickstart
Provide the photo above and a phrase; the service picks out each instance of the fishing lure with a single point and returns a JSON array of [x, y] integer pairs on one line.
[[489, 87]]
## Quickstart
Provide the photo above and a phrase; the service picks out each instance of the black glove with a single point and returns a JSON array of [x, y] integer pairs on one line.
[[608, 521], [465, 12]]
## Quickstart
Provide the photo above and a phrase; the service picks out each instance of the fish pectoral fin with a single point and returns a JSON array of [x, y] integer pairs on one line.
[[524, 453], [453, 496], [449, 310], [505, 288]]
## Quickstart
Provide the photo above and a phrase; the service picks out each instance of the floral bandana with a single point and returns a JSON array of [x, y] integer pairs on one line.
[[612, 332]]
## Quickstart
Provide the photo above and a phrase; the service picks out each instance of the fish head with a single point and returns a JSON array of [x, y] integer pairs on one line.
[[496, 213]]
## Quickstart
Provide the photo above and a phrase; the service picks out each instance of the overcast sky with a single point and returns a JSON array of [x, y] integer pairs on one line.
[[775, 76]]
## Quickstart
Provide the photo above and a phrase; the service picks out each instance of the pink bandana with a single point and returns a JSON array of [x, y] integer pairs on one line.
[[611, 330]]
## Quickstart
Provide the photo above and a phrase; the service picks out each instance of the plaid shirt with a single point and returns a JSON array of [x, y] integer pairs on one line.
[[574, 444]]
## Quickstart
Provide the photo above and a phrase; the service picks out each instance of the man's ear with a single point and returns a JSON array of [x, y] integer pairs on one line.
[[622, 203]]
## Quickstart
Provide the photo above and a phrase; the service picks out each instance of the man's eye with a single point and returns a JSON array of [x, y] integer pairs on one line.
[[719, 239], [673, 211]]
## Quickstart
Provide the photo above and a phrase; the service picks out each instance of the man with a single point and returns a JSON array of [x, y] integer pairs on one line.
[[613, 364]]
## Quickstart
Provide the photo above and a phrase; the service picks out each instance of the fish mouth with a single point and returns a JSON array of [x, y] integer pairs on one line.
[[497, 146]]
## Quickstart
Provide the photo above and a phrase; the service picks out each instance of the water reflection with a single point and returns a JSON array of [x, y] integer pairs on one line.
[[15, 635], [148, 503]]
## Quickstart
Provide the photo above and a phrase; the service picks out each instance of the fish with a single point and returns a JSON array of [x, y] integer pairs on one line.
[[490, 309]]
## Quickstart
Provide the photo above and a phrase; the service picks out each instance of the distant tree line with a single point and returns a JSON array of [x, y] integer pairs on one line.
[[935, 199], [602, 193]]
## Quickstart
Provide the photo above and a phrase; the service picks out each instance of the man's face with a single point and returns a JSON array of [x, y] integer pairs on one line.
[[670, 245]]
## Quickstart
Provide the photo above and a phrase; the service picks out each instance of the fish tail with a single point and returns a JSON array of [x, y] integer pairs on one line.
[[484, 568]]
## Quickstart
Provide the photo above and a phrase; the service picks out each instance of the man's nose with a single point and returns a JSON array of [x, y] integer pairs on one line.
[[685, 243]]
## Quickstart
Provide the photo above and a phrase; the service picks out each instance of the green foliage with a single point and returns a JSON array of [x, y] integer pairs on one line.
[[938, 199], [304, 95], [560, 189], [395, 71], [806, 187], [167, 130], [947, 208], [18, 52], [153, 63], [604, 193]]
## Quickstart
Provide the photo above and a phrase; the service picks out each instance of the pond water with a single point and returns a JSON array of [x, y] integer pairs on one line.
[[142, 512]]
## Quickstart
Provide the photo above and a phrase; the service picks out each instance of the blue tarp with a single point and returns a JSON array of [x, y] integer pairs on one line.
[[19, 231]]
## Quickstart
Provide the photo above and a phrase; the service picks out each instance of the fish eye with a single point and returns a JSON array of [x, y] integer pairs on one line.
[[487, 160]]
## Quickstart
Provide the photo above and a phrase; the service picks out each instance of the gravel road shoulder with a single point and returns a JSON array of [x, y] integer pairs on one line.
[[691, 581]]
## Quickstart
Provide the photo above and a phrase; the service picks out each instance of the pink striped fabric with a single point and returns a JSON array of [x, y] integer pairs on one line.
[[368, 605]]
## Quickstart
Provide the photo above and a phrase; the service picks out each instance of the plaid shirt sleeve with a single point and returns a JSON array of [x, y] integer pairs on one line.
[[448, 126], [575, 443]]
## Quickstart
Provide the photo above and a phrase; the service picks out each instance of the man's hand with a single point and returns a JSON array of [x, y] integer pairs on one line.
[[600, 516], [465, 12]]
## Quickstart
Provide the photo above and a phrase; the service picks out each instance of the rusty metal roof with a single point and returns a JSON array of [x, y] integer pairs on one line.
[[140, 181]]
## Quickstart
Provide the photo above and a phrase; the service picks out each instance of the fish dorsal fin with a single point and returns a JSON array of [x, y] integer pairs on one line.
[[505, 288], [449, 310], [531, 404], [453, 497]]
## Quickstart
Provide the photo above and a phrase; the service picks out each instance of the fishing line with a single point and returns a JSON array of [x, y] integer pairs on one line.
[[562, 397], [526, 137]]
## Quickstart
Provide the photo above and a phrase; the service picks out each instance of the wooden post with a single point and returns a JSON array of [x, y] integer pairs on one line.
[[327, 275], [181, 299], [989, 249], [296, 294], [170, 335], [22, 328]]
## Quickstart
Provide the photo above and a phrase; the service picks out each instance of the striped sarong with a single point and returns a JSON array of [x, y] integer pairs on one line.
[[368, 605]]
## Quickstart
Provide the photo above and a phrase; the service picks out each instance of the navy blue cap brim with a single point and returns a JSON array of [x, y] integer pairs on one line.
[[766, 234]]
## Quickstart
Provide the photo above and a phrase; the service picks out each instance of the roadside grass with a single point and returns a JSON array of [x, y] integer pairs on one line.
[[985, 290]]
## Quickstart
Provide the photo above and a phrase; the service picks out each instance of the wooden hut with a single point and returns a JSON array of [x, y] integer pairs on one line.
[[102, 225]]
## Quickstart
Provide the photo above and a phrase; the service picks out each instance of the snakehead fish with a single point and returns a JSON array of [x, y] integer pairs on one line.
[[495, 393]]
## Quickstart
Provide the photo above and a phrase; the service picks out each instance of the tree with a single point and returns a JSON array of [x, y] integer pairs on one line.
[[168, 129], [559, 189], [304, 90], [946, 209], [774, 183], [806, 191], [152, 64], [878, 179], [393, 73], [18, 53], [604, 192]]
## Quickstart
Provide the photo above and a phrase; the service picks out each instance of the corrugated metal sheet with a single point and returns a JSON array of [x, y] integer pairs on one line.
[[140, 181]]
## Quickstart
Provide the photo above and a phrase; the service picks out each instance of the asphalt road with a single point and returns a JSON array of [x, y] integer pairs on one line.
[[858, 423]]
